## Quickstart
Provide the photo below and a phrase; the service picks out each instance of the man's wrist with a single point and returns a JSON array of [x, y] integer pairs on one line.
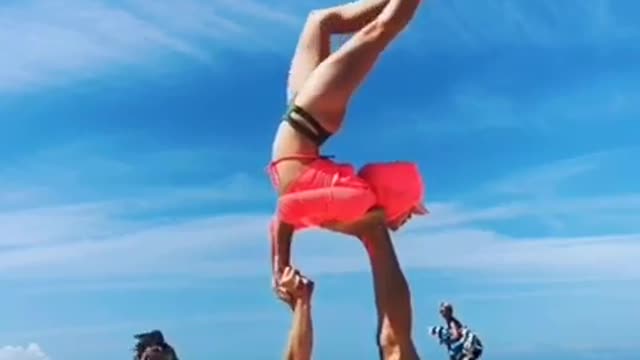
[[303, 303]]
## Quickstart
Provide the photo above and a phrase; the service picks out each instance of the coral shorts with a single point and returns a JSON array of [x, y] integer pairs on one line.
[[327, 191]]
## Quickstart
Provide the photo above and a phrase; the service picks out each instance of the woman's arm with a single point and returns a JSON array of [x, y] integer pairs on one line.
[[281, 237]]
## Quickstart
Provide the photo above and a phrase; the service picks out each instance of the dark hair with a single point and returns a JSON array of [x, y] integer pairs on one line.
[[150, 339], [445, 306]]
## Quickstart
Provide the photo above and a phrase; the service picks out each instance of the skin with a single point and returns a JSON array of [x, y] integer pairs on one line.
[[300, 342], [393, 301], [324, 83], [156, 353]]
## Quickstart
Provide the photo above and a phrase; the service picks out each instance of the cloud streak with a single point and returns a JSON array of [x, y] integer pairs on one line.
[[492, 24], [590, 100], [51, 44], [30, 352], [130, 181], [146, 231], [194, 228], [522, 67], [236, 246]]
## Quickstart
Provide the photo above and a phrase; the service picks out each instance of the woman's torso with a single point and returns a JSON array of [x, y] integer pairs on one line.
[[288, 142]]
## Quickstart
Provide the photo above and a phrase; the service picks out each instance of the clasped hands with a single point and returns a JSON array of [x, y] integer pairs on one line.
[[290, 285]]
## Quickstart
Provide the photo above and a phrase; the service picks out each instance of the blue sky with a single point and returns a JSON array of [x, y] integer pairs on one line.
[[135, 135]]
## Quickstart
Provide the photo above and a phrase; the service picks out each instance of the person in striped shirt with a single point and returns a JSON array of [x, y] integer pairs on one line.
[[461, 342]]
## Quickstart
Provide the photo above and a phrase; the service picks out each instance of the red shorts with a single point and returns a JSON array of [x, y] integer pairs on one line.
[[328, 192]]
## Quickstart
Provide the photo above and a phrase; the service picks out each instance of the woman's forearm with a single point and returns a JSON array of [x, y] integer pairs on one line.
[[281, 237]]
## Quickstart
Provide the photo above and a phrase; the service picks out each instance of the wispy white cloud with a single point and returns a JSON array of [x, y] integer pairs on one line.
[[526, 67], [489, 254], [546, 179], [62, 205], [484, 24], [51, 44], [192, 228], [593, 100], [587, 350], [599, 257], [576, 290], [486, 239], [75, 40], [136, 324], [90, 173], [237, 246], [583, 212], [575, 234], [192, 247], [114, 336], [30, 352], [583, 192]]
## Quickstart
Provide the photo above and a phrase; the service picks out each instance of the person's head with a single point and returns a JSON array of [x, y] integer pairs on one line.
[[399, 190], [446, 310], [398, 222], [152, 346]]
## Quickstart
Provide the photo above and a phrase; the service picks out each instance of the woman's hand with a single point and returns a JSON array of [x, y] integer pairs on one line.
[[289, 285]]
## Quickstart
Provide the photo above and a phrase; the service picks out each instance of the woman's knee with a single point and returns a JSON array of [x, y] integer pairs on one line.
[[319, 19]]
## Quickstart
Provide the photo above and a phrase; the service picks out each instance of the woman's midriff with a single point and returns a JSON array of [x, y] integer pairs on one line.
[[290, 143]]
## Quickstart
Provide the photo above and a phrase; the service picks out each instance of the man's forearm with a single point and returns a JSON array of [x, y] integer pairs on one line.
[[300, 343]]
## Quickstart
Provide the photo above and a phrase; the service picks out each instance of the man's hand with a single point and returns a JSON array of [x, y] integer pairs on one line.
[[280, 291], [290, 285]]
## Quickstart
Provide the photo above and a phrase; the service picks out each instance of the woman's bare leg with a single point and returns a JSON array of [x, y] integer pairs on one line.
[[327, 89], [314, 44]]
